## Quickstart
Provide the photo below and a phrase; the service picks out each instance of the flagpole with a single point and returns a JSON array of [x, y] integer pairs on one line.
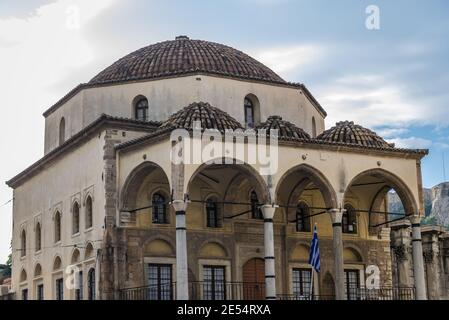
[[311, 284]]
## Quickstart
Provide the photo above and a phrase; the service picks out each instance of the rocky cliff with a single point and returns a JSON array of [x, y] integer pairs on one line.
[[436, 204]]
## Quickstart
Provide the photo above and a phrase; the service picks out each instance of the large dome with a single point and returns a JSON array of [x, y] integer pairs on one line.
[[185, 56]]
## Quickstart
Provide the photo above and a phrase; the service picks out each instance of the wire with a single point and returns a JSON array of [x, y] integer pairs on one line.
[[7, 202], [75, 245]]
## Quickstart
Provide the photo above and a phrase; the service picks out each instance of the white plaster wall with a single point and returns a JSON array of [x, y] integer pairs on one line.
[[167, 96]]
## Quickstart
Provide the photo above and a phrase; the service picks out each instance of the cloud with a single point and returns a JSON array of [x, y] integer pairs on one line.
[[287, 59], [37, 52], [391, 132], [411, 143], [377, 101]]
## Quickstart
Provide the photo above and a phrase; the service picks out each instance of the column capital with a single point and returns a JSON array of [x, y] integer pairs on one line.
[[336, 215], [268, 210], [179, 205], [415, 220]]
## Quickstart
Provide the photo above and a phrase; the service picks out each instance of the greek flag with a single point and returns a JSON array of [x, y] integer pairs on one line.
[[314, 257]]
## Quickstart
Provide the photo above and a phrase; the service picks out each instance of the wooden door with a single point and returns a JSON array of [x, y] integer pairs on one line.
[[254, 279]]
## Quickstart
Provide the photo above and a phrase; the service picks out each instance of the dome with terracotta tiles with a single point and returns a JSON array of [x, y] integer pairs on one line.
[[286, 130], [347, 132], [210, 118], [184, 56]]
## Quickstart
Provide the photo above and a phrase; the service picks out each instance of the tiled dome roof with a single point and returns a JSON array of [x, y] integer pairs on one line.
[[185, 56], [287, 130], [209, 116], [350, 133]]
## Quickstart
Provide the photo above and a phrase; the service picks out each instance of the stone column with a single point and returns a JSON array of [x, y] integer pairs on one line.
[[337, 246], [270, 272], [401, 244], [418, 260], [431, 252], [182, 278]]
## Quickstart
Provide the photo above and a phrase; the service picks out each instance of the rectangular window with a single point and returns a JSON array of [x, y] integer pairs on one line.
[[214, 287], [160, 282], [352, 284], [40, 292], [25, 294], [301, 283], [60, 289], [79, 286]]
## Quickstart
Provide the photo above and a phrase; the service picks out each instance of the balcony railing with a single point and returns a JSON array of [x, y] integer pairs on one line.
[[254, 291]]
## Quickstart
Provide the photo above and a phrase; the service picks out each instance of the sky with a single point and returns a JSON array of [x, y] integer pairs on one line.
[[393, 79]]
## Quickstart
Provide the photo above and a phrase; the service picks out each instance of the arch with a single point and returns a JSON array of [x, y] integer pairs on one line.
[[57, 263], [352, 255], [62, 131], [88, 213], [75, 256], [310, 174], [158, 248], [38, 240], [23, 243], [213, 250], [89, 252], [391, 181], [314, 132], [23, 276], [75, 217], [57, 226], [141, 108], [128, 195], [37, 270], [251, 107], [245, 170], [300, 253]]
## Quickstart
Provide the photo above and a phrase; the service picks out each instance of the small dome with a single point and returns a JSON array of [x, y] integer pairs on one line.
[[209, 116], [287, 130], [348, 132], [185, 56]]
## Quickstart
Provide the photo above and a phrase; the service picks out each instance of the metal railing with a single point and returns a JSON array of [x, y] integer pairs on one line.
[[203, 290], [383, 293]]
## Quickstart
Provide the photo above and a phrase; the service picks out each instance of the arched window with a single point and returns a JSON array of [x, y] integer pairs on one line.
[[38, 237], [256, 212], [89, 217], [76, 218], [57, 264], [57, 226], [62, 131], [91, 284], [302, 217], [23, 244], [349, 220], [159, 209], [249, 113], [23, 276], [252, 111], [313, 127], [141, 109], [213, 218]]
